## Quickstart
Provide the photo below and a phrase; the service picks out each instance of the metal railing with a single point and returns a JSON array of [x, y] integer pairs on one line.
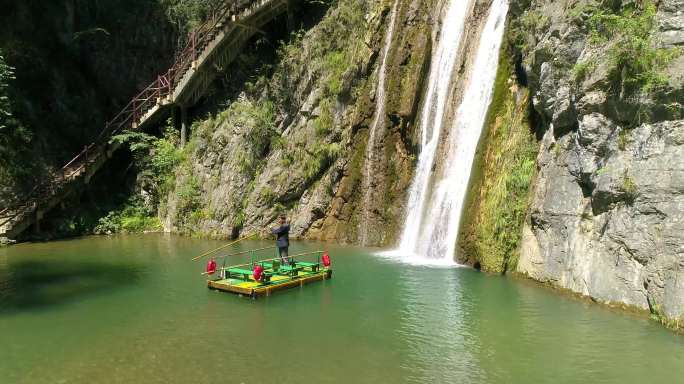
[[132, 114]]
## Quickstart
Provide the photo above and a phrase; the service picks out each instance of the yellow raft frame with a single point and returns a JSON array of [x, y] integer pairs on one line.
[[256, 289], [236, 280]]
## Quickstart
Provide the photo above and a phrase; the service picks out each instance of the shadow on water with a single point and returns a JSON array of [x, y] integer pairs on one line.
[[33, 285]]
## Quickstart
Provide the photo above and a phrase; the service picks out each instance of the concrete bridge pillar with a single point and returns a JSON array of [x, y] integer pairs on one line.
[[36, 225], [184, 126], [179, 114]]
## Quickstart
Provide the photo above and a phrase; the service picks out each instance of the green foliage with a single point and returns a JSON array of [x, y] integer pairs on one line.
[[250, 122], [198, 215], [155, 157], [582, 69], [239, 219], [312, 167], [320, 158], [335, 64], [657, 314], [498, 201], [633, 54], [188, 14], [257, 121], [138, 142], [279, 207], [189, 196], [14, 137], [534, 21], [137, 224], [289, 51], [278, 142], [6, 75], [351, 14], [267, 195], [629, 188], [525, 27], [132, 217], [323, 124], [602, 171]]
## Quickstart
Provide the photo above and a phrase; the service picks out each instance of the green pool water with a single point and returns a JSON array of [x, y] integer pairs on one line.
[[134, 309]]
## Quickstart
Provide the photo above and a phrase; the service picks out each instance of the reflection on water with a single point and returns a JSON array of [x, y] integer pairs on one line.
[[441, 348], [34, 284], [135, 309]]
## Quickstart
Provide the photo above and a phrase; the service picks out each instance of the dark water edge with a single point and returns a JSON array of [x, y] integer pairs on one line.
[[127, 309]]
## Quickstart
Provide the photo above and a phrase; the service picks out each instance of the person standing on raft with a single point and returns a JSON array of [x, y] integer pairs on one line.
[[283, 240]]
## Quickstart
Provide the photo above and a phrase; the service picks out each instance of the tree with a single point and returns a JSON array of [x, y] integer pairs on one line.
[[13, 136], [12, 132], [189, 14], [6, 74]]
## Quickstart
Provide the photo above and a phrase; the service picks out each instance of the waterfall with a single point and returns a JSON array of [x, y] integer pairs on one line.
[[432, 115], [434, 211], [378, 121]]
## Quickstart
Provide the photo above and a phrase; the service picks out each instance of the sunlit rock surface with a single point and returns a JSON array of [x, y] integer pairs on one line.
[[607, 215]]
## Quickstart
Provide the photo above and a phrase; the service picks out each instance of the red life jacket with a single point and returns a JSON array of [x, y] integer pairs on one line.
[[211, 267], [258, 271]]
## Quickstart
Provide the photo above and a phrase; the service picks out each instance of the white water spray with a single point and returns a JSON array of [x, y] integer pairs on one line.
[[432, 116], [378, 121], [433, 215]]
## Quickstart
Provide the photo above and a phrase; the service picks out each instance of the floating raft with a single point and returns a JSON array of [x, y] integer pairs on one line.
[[240, 279]]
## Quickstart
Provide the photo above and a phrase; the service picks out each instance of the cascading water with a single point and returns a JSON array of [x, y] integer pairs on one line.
[[432, 115], [378, 121], [433, 215]]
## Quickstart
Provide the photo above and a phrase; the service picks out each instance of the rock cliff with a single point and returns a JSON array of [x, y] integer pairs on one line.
[[607, 210], [589, 92], [294, 140]]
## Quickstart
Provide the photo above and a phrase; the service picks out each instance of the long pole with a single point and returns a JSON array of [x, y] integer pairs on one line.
[[222, 247], [244, 252]]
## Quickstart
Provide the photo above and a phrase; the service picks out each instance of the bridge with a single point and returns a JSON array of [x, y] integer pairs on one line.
[[215, 43]]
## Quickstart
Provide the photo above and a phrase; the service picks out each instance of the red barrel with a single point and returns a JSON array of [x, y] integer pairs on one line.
[[326, 259], [258, 271], [211, 267]]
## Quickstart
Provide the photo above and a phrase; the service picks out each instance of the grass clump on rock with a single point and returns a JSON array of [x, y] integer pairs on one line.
[[498, 198], [633, 53]]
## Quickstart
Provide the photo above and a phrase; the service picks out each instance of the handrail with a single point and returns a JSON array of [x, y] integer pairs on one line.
[[263, 261], [138, 106]]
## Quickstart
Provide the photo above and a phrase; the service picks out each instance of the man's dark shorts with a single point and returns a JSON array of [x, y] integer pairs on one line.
[[283, 254]]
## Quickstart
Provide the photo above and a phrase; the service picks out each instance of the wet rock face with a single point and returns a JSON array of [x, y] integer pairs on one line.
[[607, 216], [314, 172]]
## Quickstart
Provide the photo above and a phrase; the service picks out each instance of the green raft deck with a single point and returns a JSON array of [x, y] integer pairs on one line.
[[240, 279]]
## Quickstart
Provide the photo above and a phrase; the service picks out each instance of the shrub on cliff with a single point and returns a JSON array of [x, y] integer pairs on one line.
[[188, 14], [634, 56], [156, 159]]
